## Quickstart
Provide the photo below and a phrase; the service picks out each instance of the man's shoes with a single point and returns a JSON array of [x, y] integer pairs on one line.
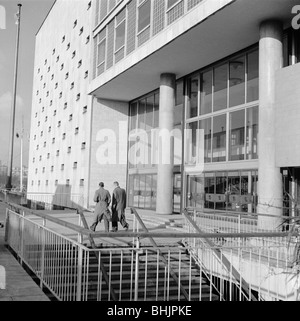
[[114, 229]]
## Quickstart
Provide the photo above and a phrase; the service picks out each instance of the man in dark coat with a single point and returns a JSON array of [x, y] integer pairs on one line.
[[118, 208], [102, 198]]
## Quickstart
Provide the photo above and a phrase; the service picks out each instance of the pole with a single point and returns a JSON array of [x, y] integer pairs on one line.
[[13, 112], [21, 170]]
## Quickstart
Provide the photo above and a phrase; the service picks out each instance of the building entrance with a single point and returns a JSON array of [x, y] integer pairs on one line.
[[229, 191]]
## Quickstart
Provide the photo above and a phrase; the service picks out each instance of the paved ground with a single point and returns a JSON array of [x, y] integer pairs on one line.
[[19, 285]]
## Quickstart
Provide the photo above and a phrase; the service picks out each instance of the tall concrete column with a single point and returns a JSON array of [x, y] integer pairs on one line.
[[164, 199], [269, 177]]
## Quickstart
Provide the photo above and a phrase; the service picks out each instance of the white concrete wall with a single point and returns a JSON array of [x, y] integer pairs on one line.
[[288, 116], [109, 129], [58, 24]]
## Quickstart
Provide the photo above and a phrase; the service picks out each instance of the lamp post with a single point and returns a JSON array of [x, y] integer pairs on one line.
[[13, 112]]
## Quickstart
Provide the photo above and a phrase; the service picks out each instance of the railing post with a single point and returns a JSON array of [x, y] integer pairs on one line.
[[79, 235], [79, 274], [43, 254], [136, 279], [6, 225], [21, 233]]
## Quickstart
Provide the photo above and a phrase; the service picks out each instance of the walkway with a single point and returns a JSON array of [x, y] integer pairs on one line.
[[19, 285]]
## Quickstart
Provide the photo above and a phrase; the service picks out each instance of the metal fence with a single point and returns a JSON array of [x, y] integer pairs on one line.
[[206, 266]]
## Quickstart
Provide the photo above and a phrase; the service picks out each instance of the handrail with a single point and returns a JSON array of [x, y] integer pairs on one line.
[[88, 232], [102, 267], [235, 213], [221, 257], [172, 273]]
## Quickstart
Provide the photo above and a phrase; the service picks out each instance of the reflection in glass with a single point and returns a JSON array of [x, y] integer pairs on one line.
[[148, 183], [153, 191], [237, 136], [252, 133], [209, 188], [219, 138], [220, 87], [206, 93], [221, 186], [192, 108], [149, 113], [191, 143], [156, 111], [133, 116], [141, 114], [205, 124], [252, 76], [237, 81]]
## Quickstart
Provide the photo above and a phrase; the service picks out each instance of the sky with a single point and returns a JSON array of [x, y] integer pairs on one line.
[[33, 13]]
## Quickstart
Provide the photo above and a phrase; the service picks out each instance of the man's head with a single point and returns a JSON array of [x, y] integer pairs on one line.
[[101, 184], [116, 184]]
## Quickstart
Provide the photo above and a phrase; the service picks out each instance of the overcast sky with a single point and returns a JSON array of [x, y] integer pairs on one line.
[[32, 15]]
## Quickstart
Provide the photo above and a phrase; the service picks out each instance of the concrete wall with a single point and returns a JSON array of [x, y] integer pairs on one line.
[[58, 24], [109, 141], [288, 116]]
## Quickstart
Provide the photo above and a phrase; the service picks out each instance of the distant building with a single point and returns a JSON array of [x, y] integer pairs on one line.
[[228, 68]]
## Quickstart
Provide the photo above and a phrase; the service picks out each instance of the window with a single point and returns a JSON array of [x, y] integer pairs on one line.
[[237, 136], [54, 113], [52, 168], [65, 105], [86, 74], [63, 38], [70, 117], [45, 144], [81, 31], [73, 54], [62, 167], [53, 140], [49, 129], [68, 46], [47, 182], [101, 48], [56, 182], [69, 149], [220, 87], [46, 119], [76, 130], [83, 145], [193, 94], [120, 30], [48, 155], [40, 158], [75, 165], [51, 102], [72, 85], [171, 3], [42, 133], [59, 123], [60, 94], [61, 66], [89, 5], [78, 97], [81, 183], [43, 169], [64, 136], [35, 115], [144, 12], [67, 75], [79, 63], [57, 58], [206, 80], [237, 73], [75, 24], [39, 183], [56, 85], [33, 160], [57, 152], [53, 52], [67, 182], [87, 39], [219, 138], [84, 109]]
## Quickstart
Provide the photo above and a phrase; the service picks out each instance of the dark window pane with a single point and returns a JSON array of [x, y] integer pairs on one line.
[[191, 143], [253, 73], [192, 108], [237, 81], [237, 136], [206, 93], [156, 111], [219, 138], [252, 133], [144, 15], [149, 112], [141, 114], [205, 124], [220, 87], [120, 36], [171, 3], [179, 93], [133, 116]]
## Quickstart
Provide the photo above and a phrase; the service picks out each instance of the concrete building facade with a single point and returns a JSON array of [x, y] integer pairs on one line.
[[221, 76]]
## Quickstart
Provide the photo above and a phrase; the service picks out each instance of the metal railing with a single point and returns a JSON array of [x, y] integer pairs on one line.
[[207, 266]]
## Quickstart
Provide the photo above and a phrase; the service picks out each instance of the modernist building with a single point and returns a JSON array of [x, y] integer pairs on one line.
[[107, 73]]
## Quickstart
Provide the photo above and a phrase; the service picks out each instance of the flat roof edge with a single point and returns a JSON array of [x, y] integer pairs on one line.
[[45, 18]]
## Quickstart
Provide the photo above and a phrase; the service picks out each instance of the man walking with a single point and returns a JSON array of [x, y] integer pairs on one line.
[[102, 198], [118, 208]]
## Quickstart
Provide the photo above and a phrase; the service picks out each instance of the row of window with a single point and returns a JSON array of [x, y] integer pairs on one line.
[[135, 24], [83, 146], [56, 182]]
